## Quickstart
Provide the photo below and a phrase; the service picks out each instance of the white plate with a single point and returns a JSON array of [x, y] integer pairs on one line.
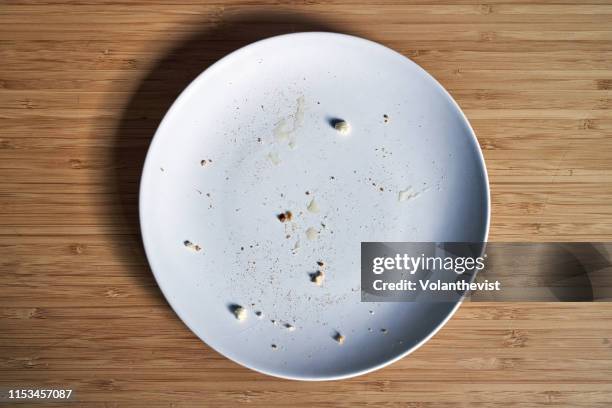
[[230, 116]]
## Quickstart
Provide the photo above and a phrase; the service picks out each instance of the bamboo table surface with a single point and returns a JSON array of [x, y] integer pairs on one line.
[[83, 86]]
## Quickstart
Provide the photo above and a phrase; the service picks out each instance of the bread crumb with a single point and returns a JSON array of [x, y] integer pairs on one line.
[[407, 194], [205, 162], [259, 314], [289, 327], [273, 346], [313, 207], [296, 247], [342, 126], [339, 338], [239, 312], [384, 331], [273, 157], [286, 216], [321, 264], [312, 233], [317, 278], [386, 118], [192, 246], [371, 312]]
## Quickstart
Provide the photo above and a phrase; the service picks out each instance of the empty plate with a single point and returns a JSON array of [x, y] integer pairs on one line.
[[276, 163]]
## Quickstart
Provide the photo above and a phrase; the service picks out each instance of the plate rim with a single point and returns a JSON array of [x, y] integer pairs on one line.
[[148, 168]]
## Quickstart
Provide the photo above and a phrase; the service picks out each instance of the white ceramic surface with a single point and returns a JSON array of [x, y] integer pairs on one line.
[[260, 117]]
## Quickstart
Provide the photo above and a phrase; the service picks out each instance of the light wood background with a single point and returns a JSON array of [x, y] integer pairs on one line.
[[83, 86]]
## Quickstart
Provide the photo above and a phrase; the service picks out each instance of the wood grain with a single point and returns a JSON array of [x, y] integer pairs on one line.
[[83, 85]]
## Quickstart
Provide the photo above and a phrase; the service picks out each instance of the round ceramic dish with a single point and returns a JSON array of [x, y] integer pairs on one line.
[[251, 138]]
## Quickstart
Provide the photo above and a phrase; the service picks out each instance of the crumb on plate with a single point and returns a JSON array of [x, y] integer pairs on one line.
[[339, 338], [192, 246], [286, 216], [313, 207], [312, 233], [342, 126], [317, 278], [240, 313]]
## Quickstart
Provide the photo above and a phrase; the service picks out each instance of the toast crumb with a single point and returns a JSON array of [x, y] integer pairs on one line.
[[192, 246], [240, 312], [339, 338], [342, 126], [313, 207], [286, 216], [312, 233], [318, 278]]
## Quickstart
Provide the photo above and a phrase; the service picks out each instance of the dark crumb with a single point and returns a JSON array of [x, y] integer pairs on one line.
[[307, 193], [386, 118], [286, 216], [287, 236], [332, 178], [242, 248], [191, 245], [273, 346], [162, 169], [258, 313], [317, 278], [318, 103], [207, 194], [321, 264], [384, 331], [203, 162], [381, 189], [339, 338]]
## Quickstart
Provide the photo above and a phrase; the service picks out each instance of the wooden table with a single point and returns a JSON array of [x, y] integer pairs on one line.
[[82, 89]]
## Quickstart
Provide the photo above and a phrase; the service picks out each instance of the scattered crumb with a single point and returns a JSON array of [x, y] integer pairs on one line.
[[259, 314], [307, 193], [313, 207], [274, 322], [296, 246], [205, 162], [384, 331], [273, 346], [162, 169], [321, 264], [317, 278], [342, 127], [339, 338], [386, 118], [371, 312], [286, 216], [289, 327], [239, 312], [312, 233], [273, 157], [407, 194], [192, 246]]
